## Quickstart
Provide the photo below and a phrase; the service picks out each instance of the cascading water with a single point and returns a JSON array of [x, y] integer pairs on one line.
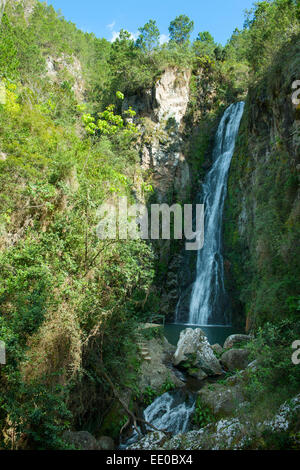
[[208, 297], [170, 412]]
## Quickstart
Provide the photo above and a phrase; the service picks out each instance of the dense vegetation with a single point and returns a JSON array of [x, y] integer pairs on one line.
[[261, 225], [69, 302]]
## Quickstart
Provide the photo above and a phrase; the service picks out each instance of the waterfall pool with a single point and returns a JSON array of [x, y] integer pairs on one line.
[[215, 334]]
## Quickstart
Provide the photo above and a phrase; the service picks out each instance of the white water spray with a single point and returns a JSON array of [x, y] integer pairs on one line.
[[208, 293]]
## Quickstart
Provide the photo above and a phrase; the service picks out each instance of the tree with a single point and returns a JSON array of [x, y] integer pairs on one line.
[[204, 44], [205, 36], [124, 41], [149, 36], [180, 29], [270, 24]]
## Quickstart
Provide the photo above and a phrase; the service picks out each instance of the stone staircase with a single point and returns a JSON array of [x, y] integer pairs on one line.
[[144, 351]]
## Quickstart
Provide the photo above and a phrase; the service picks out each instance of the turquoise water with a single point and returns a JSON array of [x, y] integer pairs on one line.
[[215, 334]]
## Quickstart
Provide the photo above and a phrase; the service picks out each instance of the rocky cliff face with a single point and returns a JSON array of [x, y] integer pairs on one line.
[[162, 110], [58, 67], [262, 216]]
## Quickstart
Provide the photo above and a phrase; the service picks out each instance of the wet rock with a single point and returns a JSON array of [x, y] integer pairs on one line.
[[235, 359], [232, 340], [194, 352]]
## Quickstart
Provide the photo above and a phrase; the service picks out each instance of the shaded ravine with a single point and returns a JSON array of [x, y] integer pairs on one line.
[[208, 296]]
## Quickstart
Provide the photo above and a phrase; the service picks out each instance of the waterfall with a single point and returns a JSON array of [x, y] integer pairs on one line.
[[208, 297], [170, 412]]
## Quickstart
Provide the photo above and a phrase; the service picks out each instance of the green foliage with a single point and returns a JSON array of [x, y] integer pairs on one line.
[[149, 36], [65, 295], [180, 29], [153, 333], [149, 394], [267, 27], [9, 62], [202, 415], [206, 46], [275, 378], [36, 412], [167, 386], [69, 302], [264, 262]]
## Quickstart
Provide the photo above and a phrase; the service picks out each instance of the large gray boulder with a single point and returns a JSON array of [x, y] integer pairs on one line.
[[194, 352], [222, 399], [235, 359], [233, 340], [81, 440]]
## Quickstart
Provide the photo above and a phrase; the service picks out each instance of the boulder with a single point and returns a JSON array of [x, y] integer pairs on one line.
[[156, 372], [287, 416], [152, 440], [235, 359], [232, 340], [196, 373], [81, 440], [217, 348], [194, 352], [222, 399], [106, 443]]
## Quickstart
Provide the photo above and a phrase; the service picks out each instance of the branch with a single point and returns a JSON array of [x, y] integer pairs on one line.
[[130, 414]]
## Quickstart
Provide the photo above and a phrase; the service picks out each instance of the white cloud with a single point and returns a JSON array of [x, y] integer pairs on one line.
[[163, 38], [116, 34], [111, 26]]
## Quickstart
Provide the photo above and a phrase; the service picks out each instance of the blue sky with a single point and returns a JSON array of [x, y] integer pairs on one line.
[[106, 17]]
